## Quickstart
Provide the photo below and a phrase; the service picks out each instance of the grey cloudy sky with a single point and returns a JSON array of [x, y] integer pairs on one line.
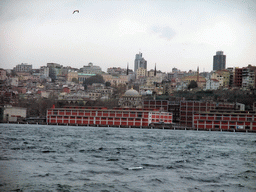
[[175, 33]]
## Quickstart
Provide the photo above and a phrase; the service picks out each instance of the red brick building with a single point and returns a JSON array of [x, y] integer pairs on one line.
[[189, 108], [156, 104], [103, 116], [224, 120]]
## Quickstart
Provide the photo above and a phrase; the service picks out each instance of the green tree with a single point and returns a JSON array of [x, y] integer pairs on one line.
[[108, 84], [75, 80], [192, 85], [94, 79]]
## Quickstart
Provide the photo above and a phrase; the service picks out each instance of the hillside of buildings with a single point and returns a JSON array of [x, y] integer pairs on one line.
[[37, 90]]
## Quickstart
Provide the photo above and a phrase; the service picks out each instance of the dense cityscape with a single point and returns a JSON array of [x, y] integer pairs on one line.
[[149, 96], [27, 93]]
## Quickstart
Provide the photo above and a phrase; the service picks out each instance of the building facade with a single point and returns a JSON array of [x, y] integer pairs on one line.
[[249, 77], [118, 71], [212, 84], [189, 108], [44, 71], [219, 61], [72, 75], [23, 67], [116, 80], [245, 77], [139, 62], [83, 76], [223, 76], [54, 70], [91, 69], [141, 72], [3, 75], [225, 121], [107, 117], [156, 104], [13, 114], [238, 77]]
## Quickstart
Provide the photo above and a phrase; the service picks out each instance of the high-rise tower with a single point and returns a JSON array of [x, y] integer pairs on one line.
[[139, 62], [219, 61]]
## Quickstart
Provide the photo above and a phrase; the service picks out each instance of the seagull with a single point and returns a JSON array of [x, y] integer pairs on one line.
[[76, 11]]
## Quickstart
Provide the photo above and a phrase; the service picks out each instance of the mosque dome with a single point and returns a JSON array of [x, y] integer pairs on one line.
[[131, 92]]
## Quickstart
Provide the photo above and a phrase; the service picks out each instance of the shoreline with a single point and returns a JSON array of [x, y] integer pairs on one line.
[[166, 127]]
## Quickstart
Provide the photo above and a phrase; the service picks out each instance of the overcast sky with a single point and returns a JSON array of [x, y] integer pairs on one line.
[[175, 33]]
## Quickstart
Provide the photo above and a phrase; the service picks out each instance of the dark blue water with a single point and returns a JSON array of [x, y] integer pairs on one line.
[[65, 158]]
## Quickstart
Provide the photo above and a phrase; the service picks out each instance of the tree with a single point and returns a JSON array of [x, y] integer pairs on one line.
[[85, 86], [192, 85], [75, 80], [13, 73], [108, 84], [94, 79]]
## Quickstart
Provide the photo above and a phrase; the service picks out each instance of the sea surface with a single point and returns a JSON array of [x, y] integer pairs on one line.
[[69, 158]]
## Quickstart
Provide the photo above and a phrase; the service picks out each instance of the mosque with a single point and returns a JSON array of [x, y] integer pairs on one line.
[[131, 99]]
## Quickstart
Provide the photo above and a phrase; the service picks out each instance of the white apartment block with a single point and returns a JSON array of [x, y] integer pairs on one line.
[[212, 84], [23, 67]]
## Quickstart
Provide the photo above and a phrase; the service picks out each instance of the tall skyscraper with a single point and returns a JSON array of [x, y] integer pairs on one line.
[[139, 62], [219, 61]]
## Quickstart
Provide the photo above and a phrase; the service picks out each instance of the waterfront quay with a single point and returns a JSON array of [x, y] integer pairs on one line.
[[164, 127]]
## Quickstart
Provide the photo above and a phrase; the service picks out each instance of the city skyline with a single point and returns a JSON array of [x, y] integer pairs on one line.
[[110, 33]]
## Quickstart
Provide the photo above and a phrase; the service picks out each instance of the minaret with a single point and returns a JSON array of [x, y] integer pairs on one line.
[[197, 74], [155, 70], [127, 72]]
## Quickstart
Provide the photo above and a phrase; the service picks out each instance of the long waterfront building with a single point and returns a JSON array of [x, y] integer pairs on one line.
[[107, 117], [225, 120]]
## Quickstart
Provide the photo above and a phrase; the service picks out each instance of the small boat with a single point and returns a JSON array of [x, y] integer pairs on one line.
[[135, 168]]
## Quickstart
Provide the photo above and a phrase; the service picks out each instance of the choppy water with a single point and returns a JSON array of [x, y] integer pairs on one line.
[[64, 158]]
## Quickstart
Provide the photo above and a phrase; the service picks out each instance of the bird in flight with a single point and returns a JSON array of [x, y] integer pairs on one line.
[[76, 11]]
